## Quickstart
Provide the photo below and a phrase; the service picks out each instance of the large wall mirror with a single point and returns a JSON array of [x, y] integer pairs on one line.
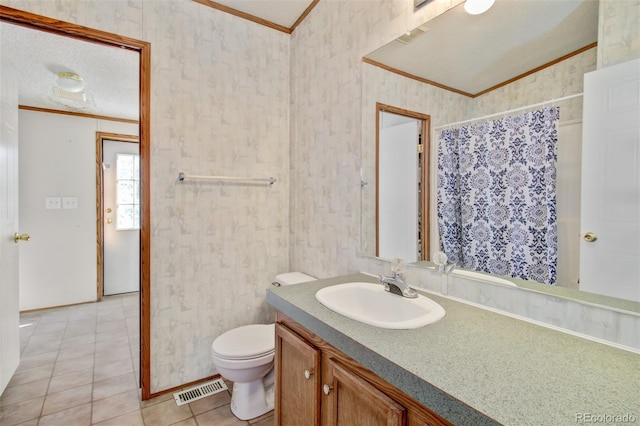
[[461, 68]]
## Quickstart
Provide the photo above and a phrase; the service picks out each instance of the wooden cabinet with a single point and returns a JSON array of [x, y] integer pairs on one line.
[[318, 385], [354, 401], [298, 380]]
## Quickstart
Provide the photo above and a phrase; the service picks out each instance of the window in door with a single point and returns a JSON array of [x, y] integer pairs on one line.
[[128, 191]]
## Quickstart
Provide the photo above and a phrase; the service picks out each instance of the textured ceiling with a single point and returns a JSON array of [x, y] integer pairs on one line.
[[110, 73], [472, 53], [281, 12]]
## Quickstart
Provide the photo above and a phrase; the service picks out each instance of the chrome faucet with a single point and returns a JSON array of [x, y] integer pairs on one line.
[[447, 268], [396, 285]]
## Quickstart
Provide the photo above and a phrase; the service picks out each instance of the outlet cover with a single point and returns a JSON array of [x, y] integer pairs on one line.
[[69, 202], [52, 203]]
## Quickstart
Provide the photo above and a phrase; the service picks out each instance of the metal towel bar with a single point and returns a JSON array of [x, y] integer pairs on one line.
[[182, 177]]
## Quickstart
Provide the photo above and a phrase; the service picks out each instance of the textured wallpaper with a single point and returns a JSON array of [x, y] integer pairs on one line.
[[219, 105]]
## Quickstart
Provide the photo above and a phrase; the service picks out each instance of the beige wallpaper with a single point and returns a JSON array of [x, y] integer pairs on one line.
[[618, 32], [219, 105]]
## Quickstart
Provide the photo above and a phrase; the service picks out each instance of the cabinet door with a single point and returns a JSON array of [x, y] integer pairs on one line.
[[424, 417], [297, 364], [354, 401]]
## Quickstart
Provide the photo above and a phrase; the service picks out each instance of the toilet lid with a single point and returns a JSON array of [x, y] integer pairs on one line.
[[249, 341]]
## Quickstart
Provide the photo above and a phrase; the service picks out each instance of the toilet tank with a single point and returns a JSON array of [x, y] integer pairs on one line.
[[291, 278]]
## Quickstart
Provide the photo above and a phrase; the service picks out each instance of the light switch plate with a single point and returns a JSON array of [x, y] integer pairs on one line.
[[52, 203]]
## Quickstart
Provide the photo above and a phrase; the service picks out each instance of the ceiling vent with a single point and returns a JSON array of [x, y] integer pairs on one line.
[[409, 36]]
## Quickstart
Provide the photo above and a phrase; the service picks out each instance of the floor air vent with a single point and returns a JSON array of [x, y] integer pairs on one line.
[[200, 391]]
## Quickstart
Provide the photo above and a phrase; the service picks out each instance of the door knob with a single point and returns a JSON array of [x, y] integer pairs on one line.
[[21, 237], [590, 237]]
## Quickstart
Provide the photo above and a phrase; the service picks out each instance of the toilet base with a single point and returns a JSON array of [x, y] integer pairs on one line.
[[253, 399]]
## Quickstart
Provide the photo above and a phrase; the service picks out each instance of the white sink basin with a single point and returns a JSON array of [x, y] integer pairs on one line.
[[371, 304]]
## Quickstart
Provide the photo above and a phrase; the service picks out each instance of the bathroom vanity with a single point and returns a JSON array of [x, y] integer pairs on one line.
[[317, 384], [473, 367]]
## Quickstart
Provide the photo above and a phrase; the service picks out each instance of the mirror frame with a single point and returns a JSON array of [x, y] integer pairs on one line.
[[608, 302]]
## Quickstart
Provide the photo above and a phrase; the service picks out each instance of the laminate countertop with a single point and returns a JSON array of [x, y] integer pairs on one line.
[[477, 367]]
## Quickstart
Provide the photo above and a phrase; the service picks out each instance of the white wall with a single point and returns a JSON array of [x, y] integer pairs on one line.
[[58, 159]]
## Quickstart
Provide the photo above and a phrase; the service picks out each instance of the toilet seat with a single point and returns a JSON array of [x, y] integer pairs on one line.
[[246, 342]]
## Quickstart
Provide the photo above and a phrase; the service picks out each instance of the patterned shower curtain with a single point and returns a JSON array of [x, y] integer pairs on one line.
[[497, 195]]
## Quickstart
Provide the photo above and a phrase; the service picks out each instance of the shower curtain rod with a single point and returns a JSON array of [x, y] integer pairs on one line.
[[509, 111]]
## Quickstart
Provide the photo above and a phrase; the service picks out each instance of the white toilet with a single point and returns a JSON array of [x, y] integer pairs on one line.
[[245, 355]]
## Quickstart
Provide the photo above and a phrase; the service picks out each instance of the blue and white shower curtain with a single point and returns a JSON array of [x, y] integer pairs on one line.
[[497, 195]]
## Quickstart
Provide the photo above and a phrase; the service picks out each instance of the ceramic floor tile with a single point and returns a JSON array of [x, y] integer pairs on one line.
[[33, 422], [45, 327], [39, 360], [71, 380], [187, 422], [20, 412], [210, 402], [71, 365], [69, 398], [111, 335], [31, 374], [35, 347], [76, 416], [76, 351], [77, 368], [131, 419], [114, 386], [263, 421], [112, 344], [107, 315], [112, 369], [83, 339], [157, 400], [220, 417], [116, 405], [113, 354], [19, 393], [111, 325], [166, 413], [80, 328]]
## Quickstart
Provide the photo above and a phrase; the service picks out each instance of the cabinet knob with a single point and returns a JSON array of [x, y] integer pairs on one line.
[[308, 374], [590, 237], [327, 389]]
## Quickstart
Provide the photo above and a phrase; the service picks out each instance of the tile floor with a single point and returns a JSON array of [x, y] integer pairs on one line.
[[80, 366]]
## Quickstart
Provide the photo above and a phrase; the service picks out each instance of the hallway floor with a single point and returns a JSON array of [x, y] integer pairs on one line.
[[79, 366]]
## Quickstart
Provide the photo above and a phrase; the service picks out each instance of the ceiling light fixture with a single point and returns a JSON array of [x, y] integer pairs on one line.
[[476, 7], [69, 81]]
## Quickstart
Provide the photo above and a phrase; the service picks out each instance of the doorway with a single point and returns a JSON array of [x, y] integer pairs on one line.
[[38, 22], [402, 184], [118, 212]]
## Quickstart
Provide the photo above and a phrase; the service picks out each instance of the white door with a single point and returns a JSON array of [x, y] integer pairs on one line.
[[568, 176], [121, 238], [397, 194], [610, 264], [9, 302]]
